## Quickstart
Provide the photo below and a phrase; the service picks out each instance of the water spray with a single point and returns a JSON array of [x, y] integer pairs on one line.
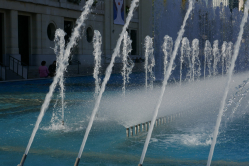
[[59, 51], [216, 56], [229, 53], [127, 63], [73, 41], [134, 4], [230, 73], [185, 52], [149, 61], [97, 42], [148, 44], [223, 55], [167, 50], [195, 53], [165, 81], [208, 58]]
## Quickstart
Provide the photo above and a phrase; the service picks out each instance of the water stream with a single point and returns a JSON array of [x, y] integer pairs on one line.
[[97, 42], [168, 73], [107, 75], [128, 64], [60, 70], [230, 73], [149, 62]]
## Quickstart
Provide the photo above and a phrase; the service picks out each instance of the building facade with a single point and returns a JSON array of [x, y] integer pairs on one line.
[[232, 3], [218, 2], [27, 29]]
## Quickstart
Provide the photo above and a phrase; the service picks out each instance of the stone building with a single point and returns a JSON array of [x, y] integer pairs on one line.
[[218, 2], [27, 30], [232, 3]]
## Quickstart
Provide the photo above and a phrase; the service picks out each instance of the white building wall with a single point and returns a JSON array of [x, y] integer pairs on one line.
[[43, 12], [218, 2]]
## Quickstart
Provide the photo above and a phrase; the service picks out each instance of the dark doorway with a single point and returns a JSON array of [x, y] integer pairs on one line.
[[133, 35], [1, 37], [68, 26], [23, 38]]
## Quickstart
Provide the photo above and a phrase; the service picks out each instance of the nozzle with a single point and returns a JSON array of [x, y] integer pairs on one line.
[[63, 122], [139, 164], [23, 160], [77, 162]]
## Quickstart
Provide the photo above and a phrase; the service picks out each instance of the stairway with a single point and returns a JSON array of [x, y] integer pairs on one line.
[[10, 75]]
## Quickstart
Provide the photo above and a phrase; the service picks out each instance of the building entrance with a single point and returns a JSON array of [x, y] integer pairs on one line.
[[68, 26], [134, 42], [23, 38]]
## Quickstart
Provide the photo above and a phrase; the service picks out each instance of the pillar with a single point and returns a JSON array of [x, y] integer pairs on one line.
[[12, 48], [127, 132], [108, 28], [36, 40]]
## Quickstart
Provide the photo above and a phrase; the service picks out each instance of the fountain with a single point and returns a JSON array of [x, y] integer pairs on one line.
[[59, 72], [127, 63], [165, 81], [149, 62], [97, 42], [106, 79], [208, 58], [60, 42], [230, 73], [197, 70]]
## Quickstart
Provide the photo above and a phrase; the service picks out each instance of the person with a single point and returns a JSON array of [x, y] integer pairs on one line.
[[52, 69], [43, 70]]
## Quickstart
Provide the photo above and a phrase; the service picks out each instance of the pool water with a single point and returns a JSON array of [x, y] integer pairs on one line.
[[185, 141]]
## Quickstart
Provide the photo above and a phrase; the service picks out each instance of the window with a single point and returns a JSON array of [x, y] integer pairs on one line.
[[89, 34], [51, 31]]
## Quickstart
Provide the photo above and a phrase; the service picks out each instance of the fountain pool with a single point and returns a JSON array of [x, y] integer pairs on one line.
[[185, 141]]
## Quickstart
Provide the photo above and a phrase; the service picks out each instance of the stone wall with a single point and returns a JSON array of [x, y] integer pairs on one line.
[[43, 12]]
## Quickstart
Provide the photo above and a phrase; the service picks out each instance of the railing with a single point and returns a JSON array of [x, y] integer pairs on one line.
[[2, 72], [141, 127], [75, 62], [18, 67]]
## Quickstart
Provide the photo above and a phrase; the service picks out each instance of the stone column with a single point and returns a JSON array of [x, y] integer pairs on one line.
[[44, 37], [131, 131], [108, 28], [37, 39], [12, 48], [127, 132]]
